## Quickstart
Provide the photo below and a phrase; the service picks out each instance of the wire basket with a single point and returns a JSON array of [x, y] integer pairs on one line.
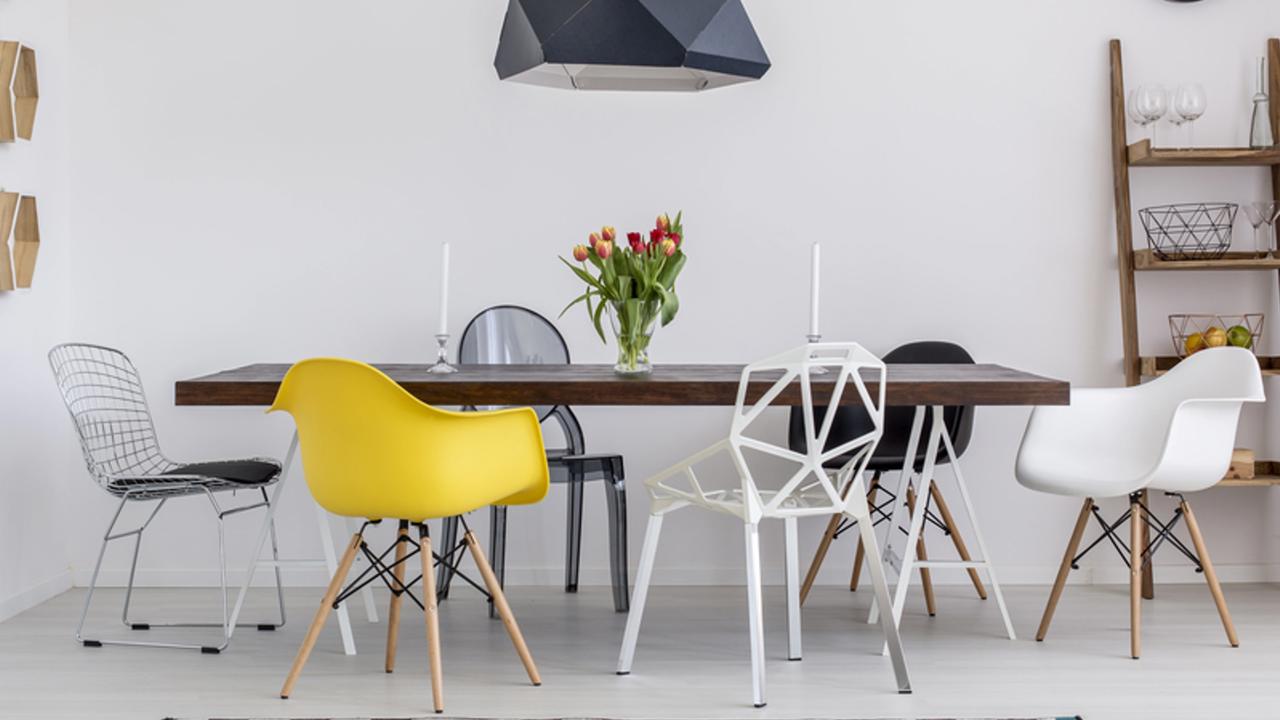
[[1193, 333], [1189, 231]]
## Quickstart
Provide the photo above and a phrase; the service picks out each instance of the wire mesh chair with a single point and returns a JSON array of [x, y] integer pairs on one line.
[[510, 334], [104, 395], [808, 490]]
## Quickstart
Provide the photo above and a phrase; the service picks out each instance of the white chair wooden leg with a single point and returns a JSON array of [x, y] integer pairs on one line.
[[793, 588], [755, 613], [331, 564], [640, 594]]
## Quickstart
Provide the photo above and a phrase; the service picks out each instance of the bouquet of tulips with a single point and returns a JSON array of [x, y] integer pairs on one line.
[[635, 284]]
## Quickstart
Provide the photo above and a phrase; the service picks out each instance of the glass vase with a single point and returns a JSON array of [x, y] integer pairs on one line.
[[633, 325]]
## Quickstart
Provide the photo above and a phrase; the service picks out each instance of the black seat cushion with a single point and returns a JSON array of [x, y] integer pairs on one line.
[[241, 472]]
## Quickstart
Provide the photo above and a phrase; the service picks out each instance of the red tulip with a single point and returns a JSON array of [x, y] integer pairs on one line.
[[664, 222], [668, 247], [634, 237], [604, 249], [608, 233], [637, 245], [580, 253], [655, 235], [593, 239], [675, 237]]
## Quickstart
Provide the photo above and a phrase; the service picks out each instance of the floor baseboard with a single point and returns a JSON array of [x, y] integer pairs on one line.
[[34, 595]]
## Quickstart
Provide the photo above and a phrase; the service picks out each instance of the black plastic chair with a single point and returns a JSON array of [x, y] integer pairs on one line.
[[511, 335], [890, 454]]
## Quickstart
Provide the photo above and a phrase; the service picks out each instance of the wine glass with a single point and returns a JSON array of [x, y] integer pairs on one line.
[[1189, 103], [1262, 213], [1148, 103]]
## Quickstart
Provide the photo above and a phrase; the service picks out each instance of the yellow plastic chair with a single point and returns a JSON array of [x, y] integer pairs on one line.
[[372, 450]]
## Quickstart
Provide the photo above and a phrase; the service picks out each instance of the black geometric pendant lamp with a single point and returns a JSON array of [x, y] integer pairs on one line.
[[629, 44]]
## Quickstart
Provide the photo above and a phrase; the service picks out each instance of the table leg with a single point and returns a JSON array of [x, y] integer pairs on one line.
[[262, 535], [331, 563], [925, 479], [908, 468]]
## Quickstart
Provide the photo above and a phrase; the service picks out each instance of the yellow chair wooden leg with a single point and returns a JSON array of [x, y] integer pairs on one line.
[[393, 614], [322, 614], [433, 619], [504, 610]]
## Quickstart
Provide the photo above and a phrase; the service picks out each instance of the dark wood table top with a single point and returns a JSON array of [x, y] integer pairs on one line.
[[666, 385]]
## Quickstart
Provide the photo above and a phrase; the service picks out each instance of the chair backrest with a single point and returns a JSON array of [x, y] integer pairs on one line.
[[845, 363], [851, 422], [1197, 406], [370, 449], [103, 392], [513, 335]]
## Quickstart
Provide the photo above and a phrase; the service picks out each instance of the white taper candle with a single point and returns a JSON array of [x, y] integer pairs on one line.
[[444, 289], [815, 273]]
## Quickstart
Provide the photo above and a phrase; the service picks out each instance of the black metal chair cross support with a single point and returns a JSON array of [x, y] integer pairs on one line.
[[880, 515], [386, 573], [1164, 532]]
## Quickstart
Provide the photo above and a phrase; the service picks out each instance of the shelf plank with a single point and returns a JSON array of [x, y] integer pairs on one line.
[[1141, 154], [1147, 260], [1153, 366], [1256, 481]]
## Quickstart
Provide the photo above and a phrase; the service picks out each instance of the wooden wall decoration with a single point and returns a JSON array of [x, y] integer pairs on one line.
[[26, 92], [8, 209], [8, 63], [21, 91], [26, 241]]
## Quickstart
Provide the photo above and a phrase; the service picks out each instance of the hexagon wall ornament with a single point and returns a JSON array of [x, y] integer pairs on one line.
[[21, 91], [8, 209], [647, 45]]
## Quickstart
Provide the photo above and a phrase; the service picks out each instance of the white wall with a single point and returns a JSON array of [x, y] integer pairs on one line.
[[268, 181], [35, 457]]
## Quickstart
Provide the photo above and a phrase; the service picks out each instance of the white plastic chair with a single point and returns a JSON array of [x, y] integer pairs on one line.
[[1173, 434], [808, 491]]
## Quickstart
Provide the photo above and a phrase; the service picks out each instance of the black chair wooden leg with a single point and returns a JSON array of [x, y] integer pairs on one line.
[[498, 548], [616, 495], [448, 540], [573, 543]]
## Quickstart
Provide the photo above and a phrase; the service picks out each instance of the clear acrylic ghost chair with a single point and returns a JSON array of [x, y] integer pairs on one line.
[[810, 491], [510, 334], [103, 392], [1174, 434]]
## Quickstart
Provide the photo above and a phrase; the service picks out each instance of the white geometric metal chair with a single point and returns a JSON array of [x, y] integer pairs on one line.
[[103, 393], [808, 490], [1174, 434]]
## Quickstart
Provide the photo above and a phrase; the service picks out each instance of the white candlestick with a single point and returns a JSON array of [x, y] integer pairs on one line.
[[815, 265], [444, 289]]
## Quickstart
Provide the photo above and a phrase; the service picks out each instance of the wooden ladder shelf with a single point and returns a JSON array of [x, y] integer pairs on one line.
[[1141, 154]]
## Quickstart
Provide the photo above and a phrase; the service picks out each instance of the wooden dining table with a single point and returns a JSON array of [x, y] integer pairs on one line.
[[927, 388]]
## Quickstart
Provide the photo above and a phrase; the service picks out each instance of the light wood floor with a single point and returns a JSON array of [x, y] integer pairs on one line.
[[691, 663]]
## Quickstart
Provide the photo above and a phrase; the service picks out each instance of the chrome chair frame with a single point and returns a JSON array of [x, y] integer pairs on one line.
[[104, 395]]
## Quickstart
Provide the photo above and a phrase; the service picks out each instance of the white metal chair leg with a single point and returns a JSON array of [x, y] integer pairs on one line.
[[793, 589], [889, 626], [640, 594], [977, 533], [755, 613]]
